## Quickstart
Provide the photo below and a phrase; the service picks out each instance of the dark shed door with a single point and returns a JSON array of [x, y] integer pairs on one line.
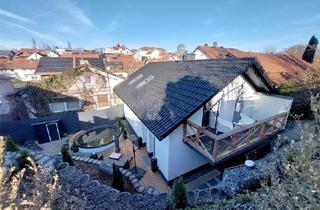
[[53, 131]]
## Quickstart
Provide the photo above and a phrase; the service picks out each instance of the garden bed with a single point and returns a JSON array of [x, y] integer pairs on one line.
[[93, 171]]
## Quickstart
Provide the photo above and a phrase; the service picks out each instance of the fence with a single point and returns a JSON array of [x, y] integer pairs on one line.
[[22, 130]]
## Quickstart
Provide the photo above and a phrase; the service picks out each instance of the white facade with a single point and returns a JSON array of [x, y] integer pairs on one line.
[[117, 50], [34, 56], [199, 55], [20, 74], [52, 54], [255, 105], [174, 156]]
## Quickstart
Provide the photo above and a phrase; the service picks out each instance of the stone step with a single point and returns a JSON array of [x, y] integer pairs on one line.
[[202, 179]]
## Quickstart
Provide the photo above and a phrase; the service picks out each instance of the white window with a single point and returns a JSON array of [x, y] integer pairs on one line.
[[65, 106], [57, 107]]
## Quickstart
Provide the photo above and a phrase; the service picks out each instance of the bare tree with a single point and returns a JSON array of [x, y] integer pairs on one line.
[[34, 44], [69, 45]]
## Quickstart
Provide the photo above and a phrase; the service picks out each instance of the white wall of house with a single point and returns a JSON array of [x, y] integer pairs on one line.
[[199, 55], [52, 54], [257, 106], [34, 56], [174, 156], [228, 96], [20, 74], [269, 105], [182, 158]]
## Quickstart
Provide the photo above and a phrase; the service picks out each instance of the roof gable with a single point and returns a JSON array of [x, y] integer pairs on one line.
[[164, 94]]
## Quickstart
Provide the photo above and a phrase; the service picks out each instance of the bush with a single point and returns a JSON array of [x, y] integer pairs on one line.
[[66, 157], [22, 159], [179, 194], [122, 129], [117, 179], [10, 145]]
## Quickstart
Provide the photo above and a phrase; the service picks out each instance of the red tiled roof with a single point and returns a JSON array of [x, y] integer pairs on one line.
[[279, 67], [18, 64]]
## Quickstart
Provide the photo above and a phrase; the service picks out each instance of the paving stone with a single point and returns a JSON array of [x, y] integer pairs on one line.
[[141, 189], [150, 190], [134, 181], [132, 177]]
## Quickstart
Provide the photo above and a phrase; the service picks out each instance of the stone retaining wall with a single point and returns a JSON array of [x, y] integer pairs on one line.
[[107, 167]]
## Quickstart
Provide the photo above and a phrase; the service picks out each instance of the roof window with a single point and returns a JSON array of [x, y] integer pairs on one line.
[[135, 79], [148, 79]]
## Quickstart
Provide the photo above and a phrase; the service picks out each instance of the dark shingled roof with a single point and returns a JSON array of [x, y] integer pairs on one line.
[[61, 64], [176, 89]]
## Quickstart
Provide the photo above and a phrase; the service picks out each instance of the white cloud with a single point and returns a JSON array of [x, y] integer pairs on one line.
[[208, 21], [14, 16], [76, 12], [65, 29], [35, 33]]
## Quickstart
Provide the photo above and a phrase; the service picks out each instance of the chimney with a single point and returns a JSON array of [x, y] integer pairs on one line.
[[206, 44], [73, 62]]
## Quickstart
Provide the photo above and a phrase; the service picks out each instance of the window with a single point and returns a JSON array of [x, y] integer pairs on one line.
[[87, 79], [65, 106], [102, 100], [135, 79], [148, 79], [57, 107], [73, 105]]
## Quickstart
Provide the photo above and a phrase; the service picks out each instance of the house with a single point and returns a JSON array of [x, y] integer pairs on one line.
[[190, 113], [280, 68], [35, 56], [84, 88], [49, 66], [80, 54], [118, 49], [52, 54], [20, 69], [126, 63]]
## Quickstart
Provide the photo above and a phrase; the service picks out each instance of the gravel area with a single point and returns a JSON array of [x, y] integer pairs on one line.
[[95, 174]]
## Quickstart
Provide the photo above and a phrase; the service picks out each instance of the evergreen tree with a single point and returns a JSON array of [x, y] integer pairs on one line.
[[117, 179], [179, 194], [310, 51], [66, 157], [10, 145]]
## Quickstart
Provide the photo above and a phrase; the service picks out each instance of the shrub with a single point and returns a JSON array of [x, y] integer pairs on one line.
[[10, 145], [117, 179], [66, 157], [179, 194], [22, 159], [122, 129]]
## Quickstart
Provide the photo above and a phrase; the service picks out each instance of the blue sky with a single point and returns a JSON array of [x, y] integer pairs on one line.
[[245, 24]]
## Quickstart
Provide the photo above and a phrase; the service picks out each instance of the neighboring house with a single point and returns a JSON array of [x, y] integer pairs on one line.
[[280, 68], [20, 69], [121, 63], [52, 54], [118, 49], [49, 66], [80, 54], [190, 113], [84, 88], [35, 56]]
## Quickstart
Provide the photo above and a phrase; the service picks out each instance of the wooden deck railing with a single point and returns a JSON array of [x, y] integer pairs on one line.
[[231, 142]]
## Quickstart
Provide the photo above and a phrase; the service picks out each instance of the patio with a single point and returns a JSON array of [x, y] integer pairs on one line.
[[150, 178]]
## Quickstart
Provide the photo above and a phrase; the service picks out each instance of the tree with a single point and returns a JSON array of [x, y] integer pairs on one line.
[[270, 49], [117, 179], [34, 44], [69, 45], [66, 157], [181, 49], [296, 50], [179, 194], [10, 145], [311, 49]]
